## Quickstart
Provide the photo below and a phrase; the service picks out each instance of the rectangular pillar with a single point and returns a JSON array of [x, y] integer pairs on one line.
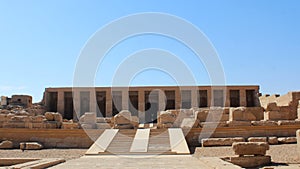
[[194, 97], [177, 99], [243, 101], [125, 99], [76, 99], [60, 102], [108, 103], [161, 100], [141, 106], [93, 101]]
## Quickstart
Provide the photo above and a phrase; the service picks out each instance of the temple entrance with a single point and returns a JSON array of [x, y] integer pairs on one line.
[[151, 106], [68, 104]]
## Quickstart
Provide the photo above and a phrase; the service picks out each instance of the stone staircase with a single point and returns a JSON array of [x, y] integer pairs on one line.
[[140, 141]]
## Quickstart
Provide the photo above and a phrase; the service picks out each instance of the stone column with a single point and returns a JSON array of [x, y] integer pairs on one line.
[[60, 102], [93, 101], [209, 97], [125, 98], [141, 106], [161, 100], [177, 98], [76, 102], [108, 103], [298, 142], [298, 110], [227, 98], [194, 97], [243, 101]]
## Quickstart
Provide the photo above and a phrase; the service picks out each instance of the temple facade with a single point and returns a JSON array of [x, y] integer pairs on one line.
[[145, 102]]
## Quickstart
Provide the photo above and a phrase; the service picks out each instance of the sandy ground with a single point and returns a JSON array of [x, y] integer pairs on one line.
[[45, 153], [280, 153], [286, 153]]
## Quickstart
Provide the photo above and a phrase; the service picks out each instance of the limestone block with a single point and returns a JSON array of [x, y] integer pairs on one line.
[[20, 119], [251, 161], [124, 117], [67, 125], [287, 140], [220, 141], [87, 126], [264, 123], [123, 126], [288, 122], [166, 125], [81, 119], [31, 146], [50, 125], [167, 117], [188, 123], [241, 114], [37, 125], [90, 117], [108, 120], [49, 116], [238, 123], [250, 148], [103, 126], [257, 139], [14, 124], [135, 121], [273, 140], [213, 124], [37, 119], [277, 115], [272, 107], [212, 114], [201, 115], [57, 117], [6, 144], [100, 120]]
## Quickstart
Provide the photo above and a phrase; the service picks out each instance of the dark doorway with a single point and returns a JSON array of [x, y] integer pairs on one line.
[[186, 99], [250, 98], [234, 98], [116, 102], [170, 99], [133, 103], [52, 101], [218, 97], [151, 106], [202, 99], [101, 103], [68, 104], [84, 102]]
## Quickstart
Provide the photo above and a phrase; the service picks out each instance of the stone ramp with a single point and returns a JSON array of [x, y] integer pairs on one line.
[[38, 164], [141, 141]]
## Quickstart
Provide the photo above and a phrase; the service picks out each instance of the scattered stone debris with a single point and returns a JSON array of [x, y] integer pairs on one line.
[[6, 144], [30, 146]]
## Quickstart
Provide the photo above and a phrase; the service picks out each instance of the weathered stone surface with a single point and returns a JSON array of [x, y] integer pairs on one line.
[[49, 116], [57, 117], [288, 122], [37, 119], [287, 140], [123, 126], [103, 126], [124, 117], [250, 148], [246, 114], [167, 117], [213, 124], [166, 125], [220, 141], [238, 123], [272, 107], [276, 115], [90, 117], [257, 139], [87, 126], [135, 121], [68, 125], [213, 114], [20, 119], [31, 146], [264, 123], [100, 120], [6, 144], [50, 124], [188, 123], [298, 142], [251, 161], [273, 140]]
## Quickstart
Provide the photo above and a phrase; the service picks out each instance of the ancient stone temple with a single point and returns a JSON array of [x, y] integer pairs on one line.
[[145, 102]]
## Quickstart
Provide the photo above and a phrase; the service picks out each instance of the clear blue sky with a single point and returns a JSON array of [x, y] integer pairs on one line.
[[257, 41]]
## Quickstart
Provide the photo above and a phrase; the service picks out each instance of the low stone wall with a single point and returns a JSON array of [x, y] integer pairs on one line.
[[194, 140], [51, 138]]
